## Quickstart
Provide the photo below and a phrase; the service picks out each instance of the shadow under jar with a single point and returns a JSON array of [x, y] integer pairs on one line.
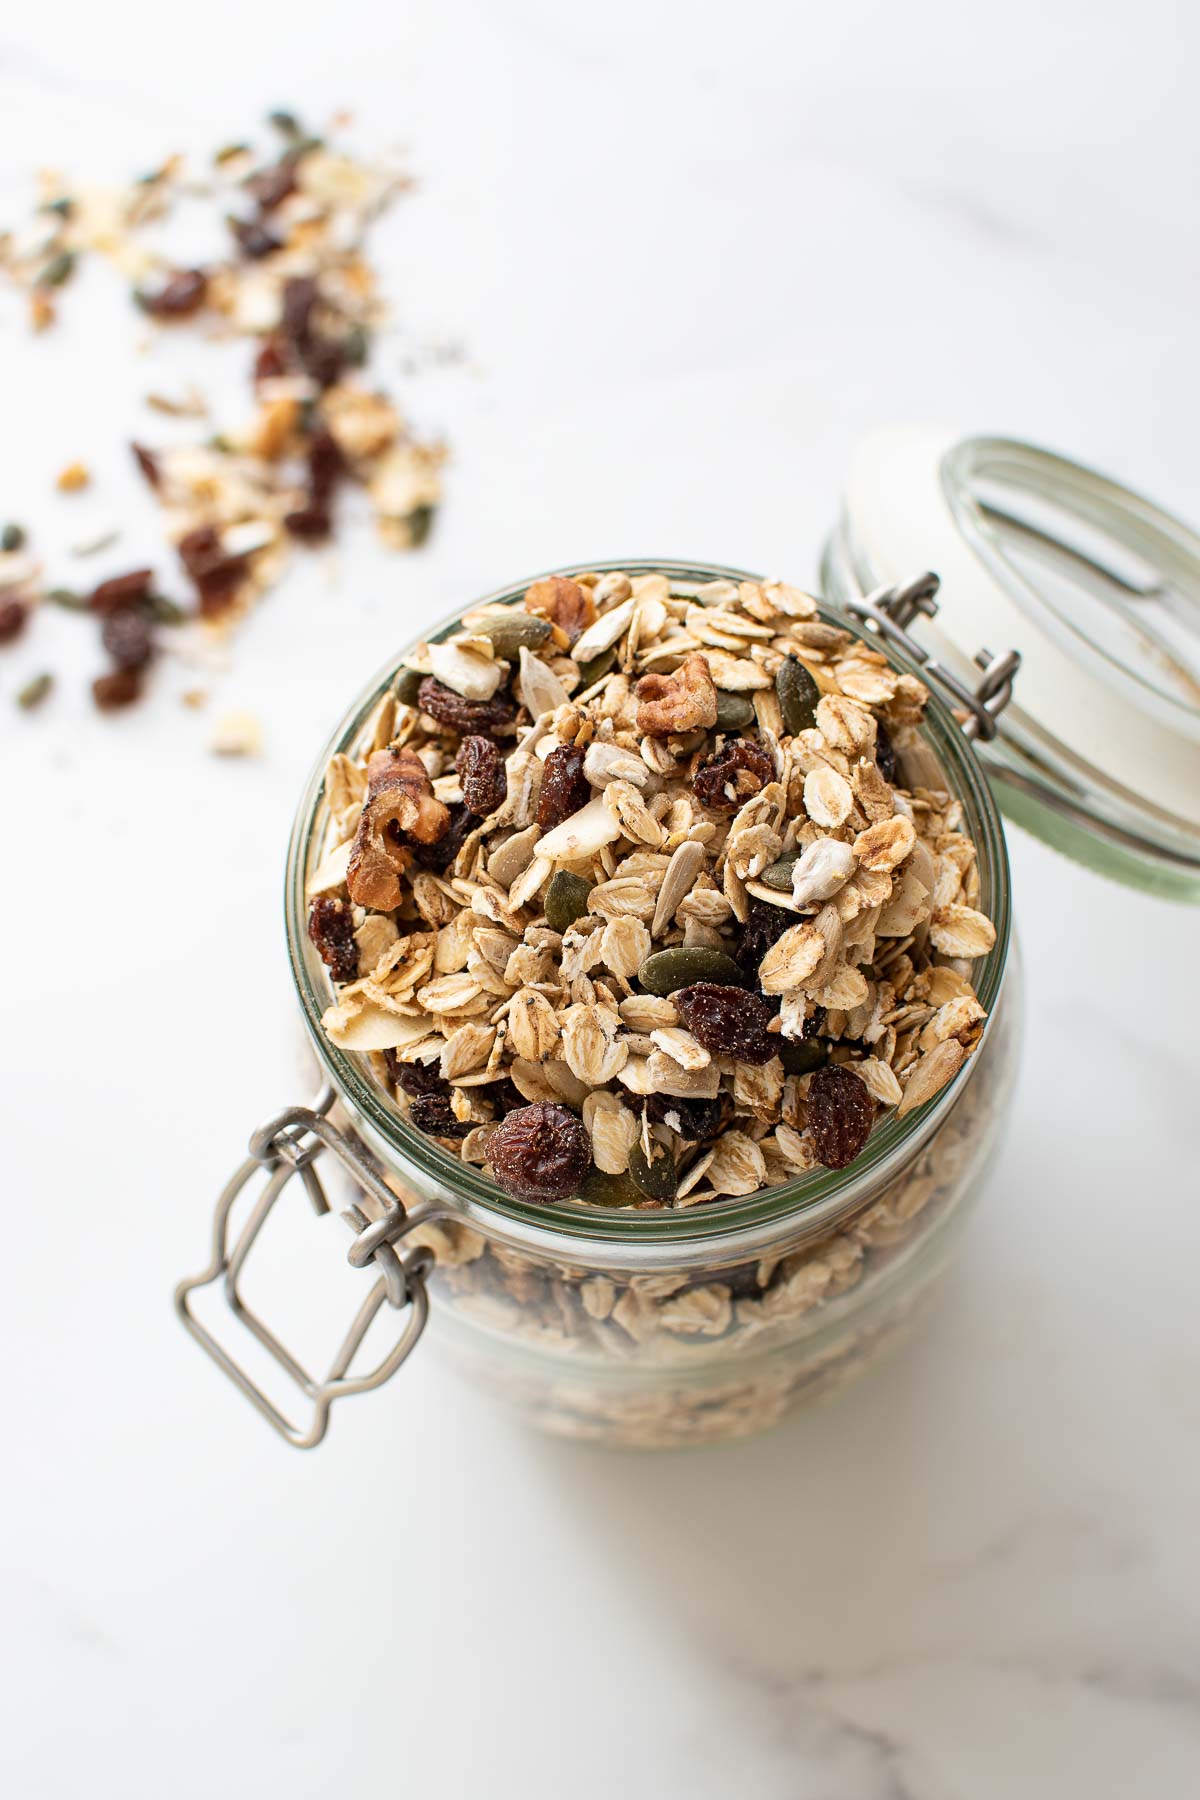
[[661, 1328]]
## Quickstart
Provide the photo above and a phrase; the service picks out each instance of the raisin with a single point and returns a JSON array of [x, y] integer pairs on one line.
[[432, 1114], [491, 718], [440, 855], [217, 575], [182, 295], [885, 753], [565, 787], [273, 185], [299, 298], [764, 925], [696, 1120], [326, 464], [415, 1078], [121, 591], [271, 362], [540, 1152], [13, 616], [727, 1021], [147, 462], [840, 1114], [505, 1097], [128, 636], [121, 688], [481, 774], [732, 774], [309, 523], [253, 239], [331, 928]]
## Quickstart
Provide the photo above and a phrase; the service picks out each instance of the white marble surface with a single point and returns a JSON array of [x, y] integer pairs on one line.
[[694, 252]]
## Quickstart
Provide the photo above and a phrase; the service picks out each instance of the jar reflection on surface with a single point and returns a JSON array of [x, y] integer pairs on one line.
[[688, 1326]]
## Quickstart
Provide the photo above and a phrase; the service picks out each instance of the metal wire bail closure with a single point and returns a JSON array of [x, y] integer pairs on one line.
[[891, 610], [286, 1146]]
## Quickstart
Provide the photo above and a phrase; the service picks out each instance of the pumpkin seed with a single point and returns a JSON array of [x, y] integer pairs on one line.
[[12, 538], [600, 1189], [518, 630], [566, 900], [34, 692], [734, 711], [800, 1056], [668, 970], [779, 874], [57, 270], [598, 666], [70, 599], [654, 1174], [798, 696], [408, 684]]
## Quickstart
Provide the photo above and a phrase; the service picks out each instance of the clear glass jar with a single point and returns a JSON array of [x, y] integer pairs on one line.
[[685, 1327]]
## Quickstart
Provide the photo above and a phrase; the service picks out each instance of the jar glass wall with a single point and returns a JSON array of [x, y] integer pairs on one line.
[[686, 1326]]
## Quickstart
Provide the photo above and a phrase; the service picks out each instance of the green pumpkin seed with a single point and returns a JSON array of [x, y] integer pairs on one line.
[[70, 599], [779, 874], [34, 692], [12, 538], [420, 524], [668, 970], [590, 672], [517, 631], [600, 1189], [798, 696], [164, 611], [734, 711], [800, 1056], [655, 1174], [57, 270], [408, 684], [566, 900]]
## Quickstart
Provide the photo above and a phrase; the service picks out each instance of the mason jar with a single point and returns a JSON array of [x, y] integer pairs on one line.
[[671, 1328]]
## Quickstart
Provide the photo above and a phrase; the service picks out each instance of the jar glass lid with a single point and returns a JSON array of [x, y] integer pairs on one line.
[[1098, 752]]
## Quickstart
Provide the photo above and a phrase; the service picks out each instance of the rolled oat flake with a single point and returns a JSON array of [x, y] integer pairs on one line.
[[743, 1041]]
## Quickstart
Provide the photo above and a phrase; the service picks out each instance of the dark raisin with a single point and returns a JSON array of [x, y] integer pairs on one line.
[[432, 1114], [271, 362], [695, 1120], [122, 591], [764, 925], [440, 855], [565, 787], [13, 616], [147, 462], [481, 774], [324, 358], [273, 185], [727, 1021], [121, 688], [732, 774], [181, 296], [299, 298], [253, 239], [540, 1152], [331, 928], [415, 1078], [217, 575], [505, 1097], [310, 523], [326, 464], [840, 1114], [885, 752], [128, 636], [491, 718]]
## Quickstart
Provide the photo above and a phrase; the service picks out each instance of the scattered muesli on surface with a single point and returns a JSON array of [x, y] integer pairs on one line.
[[628, 902]]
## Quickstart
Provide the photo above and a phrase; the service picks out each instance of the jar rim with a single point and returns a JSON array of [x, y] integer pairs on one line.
[[820, 1196]]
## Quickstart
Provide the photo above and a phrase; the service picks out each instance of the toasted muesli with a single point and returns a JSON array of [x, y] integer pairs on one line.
[[628, 900]]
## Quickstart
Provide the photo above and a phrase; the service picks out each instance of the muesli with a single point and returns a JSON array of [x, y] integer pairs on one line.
[[630, 898]]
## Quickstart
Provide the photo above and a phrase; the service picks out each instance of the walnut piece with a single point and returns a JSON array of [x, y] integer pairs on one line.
[[565, 603], [684, 701], [400, 795]]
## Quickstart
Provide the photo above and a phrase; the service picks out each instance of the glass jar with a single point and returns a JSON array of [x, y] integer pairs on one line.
[[677, 1327], [652, 1328]]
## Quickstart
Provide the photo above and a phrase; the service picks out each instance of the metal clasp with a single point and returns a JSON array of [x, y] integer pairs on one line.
[[286, 1146], [891, 610]]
